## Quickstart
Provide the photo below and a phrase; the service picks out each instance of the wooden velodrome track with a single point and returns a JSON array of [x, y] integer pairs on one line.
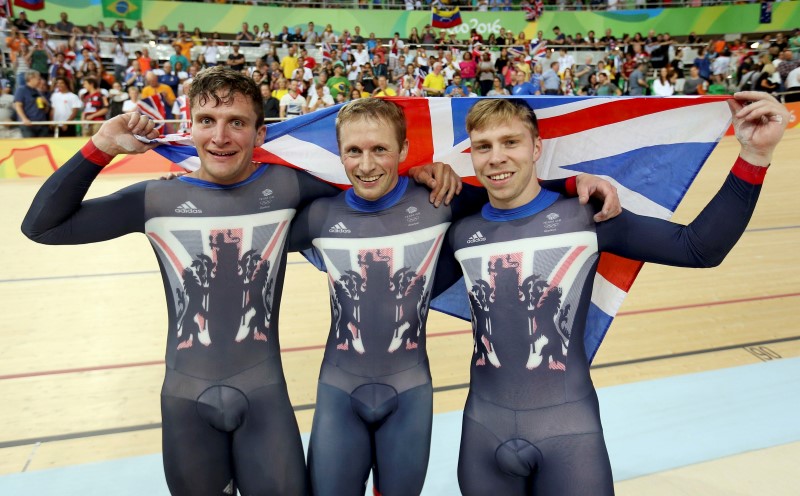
[[82, 333]]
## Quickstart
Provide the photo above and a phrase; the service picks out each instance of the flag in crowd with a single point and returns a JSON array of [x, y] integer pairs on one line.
[[533, 12], [29, 4], [123, 9], [621, 139], [153, 107], [445, 19], [538, 51], [326, 50]]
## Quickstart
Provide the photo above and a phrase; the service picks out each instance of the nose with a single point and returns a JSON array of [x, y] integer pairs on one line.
[[497, 156], [367, 163], [220, 134]]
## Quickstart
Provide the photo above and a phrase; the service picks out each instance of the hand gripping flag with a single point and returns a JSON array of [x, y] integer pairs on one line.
[[650, 148]]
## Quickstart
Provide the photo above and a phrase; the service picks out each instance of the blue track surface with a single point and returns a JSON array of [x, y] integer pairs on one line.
[[650, 427]]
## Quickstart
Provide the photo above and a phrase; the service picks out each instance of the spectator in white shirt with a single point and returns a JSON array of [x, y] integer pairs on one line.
[[319, 99], [64, 106]]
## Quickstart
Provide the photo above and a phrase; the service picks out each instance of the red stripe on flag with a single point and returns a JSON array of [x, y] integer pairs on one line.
[[418, 131], [619, 271], [614, 112]]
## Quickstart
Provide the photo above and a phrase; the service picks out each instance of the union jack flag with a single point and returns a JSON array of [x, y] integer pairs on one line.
[[538, 51], [153, 107], [326, 50], [180, 110], [533, 12], [650, 148]]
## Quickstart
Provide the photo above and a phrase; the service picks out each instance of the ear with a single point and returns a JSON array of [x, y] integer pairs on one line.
[[537, 149], [261, 135], [403, 151]]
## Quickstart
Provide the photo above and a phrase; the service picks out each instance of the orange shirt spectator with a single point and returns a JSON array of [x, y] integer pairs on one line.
[[186, 45]]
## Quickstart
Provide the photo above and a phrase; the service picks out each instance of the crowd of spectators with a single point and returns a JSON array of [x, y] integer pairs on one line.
[[62, 72]]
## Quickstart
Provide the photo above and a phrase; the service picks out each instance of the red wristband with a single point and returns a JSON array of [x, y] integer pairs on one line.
[[748, 172], [95, 155], [571, 186]]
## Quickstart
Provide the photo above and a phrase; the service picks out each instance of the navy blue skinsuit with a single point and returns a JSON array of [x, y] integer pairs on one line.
[[227, 420], [531, 422], [374, 398]]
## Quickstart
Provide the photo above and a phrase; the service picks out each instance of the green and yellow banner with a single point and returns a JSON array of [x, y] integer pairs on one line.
[[123, 9]]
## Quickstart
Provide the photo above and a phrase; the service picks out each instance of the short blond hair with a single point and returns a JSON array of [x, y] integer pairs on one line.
[[373, 109], [496, 111]]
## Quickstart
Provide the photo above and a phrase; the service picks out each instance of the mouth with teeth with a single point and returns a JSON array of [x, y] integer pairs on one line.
[[501, 176], [221, 154], [368, 179]]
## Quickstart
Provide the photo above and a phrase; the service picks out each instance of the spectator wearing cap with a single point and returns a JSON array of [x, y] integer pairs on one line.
[[338, 83], [236, 60]]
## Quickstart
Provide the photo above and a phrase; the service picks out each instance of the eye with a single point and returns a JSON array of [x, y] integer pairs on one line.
[[205, 121], [237, 123]]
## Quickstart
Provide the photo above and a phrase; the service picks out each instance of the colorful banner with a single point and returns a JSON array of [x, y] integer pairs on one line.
[[41, 156], [227, 18], [675, 21], [123, 9]]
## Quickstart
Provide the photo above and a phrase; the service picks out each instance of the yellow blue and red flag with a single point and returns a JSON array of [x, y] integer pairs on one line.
[[441, 18], [30, 4]]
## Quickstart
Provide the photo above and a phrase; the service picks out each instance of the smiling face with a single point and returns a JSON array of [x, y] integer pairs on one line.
[[504, 154], [371, 155], [225, 133]]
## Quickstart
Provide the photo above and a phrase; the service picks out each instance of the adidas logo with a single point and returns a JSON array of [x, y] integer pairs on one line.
[[187, 208], [476, 238], [339, 228]]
